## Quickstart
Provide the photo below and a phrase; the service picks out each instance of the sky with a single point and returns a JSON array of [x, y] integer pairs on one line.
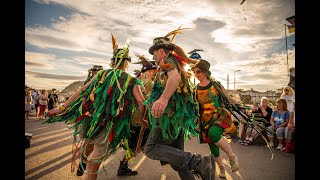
[[64, 38]]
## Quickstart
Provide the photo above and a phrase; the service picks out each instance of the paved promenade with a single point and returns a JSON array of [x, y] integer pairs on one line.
[[49, 158]]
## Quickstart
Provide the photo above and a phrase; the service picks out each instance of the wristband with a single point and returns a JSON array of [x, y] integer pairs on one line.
[[62, 108]]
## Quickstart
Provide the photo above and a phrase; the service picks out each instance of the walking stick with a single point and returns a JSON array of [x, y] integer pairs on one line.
[[141, 133], [139, 142], [138, 148]]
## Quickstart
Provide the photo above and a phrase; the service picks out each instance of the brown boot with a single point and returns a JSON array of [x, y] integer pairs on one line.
[[233, 160]]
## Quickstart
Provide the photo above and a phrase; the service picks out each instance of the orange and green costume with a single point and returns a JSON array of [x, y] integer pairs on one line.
[[214, 117]]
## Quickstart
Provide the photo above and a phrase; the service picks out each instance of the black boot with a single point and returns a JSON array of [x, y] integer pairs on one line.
[[79, 171], [124, 170], [204, 168]]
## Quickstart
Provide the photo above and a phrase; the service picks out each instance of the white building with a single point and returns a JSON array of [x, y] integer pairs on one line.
[[251, 96]]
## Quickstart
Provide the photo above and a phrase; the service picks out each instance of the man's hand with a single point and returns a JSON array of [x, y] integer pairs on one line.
[[158, 107]]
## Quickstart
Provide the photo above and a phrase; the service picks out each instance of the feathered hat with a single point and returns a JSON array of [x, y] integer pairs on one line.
[[146, 64], [120, 53], [177, 51]]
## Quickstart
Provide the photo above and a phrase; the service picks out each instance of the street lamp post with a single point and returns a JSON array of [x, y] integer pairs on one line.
[[234, 80]]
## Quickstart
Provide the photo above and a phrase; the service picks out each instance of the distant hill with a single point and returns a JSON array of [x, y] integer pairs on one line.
[[73, 87]]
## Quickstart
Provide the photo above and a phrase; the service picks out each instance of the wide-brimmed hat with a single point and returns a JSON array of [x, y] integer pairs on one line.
[[203, 65], [161, 42], [149, 66], [146, 64], [96, 68], [177, 51]]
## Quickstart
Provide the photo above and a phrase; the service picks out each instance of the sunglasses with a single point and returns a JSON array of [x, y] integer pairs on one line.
[[286, 89], [197, 71]]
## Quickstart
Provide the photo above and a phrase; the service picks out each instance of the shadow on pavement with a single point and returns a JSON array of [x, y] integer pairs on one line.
[[52, 133], [66, 142], [52, 169], [51, 139], [47, 163]]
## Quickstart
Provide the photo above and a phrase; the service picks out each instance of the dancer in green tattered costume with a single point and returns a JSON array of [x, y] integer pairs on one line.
[[180, 112], [172, 111], [101, 111]]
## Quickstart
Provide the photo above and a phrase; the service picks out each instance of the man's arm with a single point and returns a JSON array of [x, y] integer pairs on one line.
[[77, 93], [160, 105], [172, 84], [71, 99]]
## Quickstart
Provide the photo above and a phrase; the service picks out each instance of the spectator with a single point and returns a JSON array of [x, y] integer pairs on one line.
[[53, 99], [33, 93], [241, 124], [263, 112], [27, 104], [279, 120], [43, 102], [241, 127], [289, 96], [36, 102]]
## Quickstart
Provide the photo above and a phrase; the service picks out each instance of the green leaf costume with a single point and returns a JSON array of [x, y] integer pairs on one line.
[[181, 112], [105, 108]]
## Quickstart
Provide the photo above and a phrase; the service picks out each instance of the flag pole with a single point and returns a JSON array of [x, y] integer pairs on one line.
[[285, 32]]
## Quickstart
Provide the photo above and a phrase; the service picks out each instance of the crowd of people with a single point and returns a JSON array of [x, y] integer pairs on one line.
[[40, 101], [168, 109], [280, 121]]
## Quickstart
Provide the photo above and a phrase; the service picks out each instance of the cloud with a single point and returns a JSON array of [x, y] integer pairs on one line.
[[55, 42], [251, 24], [93, 22], [54, 76], [233, 37], [41, 80], [35, 64], [265, 73], [44, 62], [38, 60]]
